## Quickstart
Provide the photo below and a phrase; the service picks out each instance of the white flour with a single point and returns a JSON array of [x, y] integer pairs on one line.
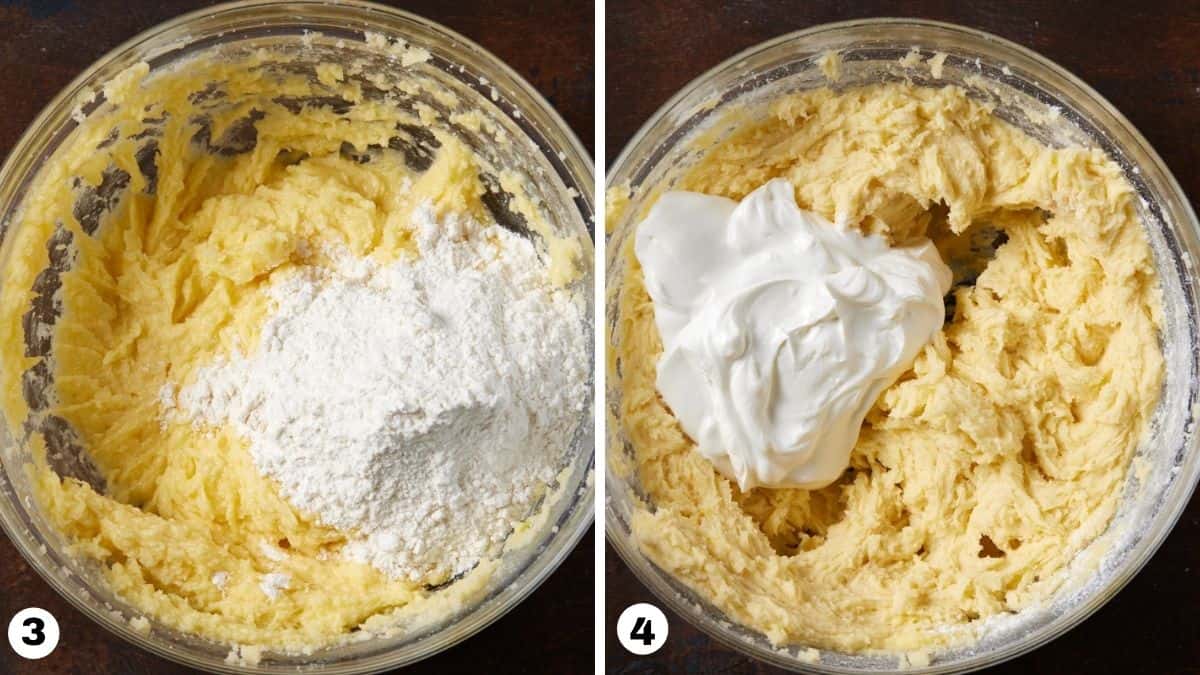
[[422, 405]]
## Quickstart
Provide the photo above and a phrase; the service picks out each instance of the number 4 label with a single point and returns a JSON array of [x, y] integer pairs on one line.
[[642, 629], [33, 633]]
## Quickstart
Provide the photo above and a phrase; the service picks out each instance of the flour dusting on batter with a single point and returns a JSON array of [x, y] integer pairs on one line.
[[421, 405]]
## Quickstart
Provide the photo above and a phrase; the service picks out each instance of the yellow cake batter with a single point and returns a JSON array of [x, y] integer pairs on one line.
[[247, 180], [983, 471]]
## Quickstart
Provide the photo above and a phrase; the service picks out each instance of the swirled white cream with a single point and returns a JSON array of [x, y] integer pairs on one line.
[[780, 329]]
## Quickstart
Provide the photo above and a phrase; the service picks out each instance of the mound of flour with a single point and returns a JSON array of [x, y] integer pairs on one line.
[[421, 405]]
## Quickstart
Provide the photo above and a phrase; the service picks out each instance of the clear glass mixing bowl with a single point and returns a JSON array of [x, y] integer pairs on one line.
[[541, 146], [1052, 105]]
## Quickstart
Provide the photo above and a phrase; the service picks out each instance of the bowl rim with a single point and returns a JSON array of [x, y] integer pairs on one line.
[[578, 515], [686, 607]]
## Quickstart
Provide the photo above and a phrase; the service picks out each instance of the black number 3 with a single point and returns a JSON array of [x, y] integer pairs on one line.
[[641, 631], [36, 636]]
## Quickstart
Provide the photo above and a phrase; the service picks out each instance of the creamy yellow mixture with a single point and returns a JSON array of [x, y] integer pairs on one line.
[[225, 188], [982, 472]]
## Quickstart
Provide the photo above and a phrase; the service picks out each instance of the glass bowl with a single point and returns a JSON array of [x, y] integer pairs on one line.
[[541, 146], [1057, 108]]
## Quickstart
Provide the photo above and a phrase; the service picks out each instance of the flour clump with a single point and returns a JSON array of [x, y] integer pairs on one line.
[[422, 406]]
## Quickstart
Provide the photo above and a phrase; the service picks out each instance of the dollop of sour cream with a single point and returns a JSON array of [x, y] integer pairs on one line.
[[780, 329]]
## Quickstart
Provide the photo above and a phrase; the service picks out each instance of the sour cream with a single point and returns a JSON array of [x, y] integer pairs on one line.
[[780, 329]]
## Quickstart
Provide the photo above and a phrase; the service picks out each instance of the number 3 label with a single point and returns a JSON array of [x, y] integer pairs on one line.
[[642, 629], [33, 633]]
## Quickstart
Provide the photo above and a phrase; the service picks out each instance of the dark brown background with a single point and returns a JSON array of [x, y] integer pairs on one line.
[[44, 44], [1144, 57]]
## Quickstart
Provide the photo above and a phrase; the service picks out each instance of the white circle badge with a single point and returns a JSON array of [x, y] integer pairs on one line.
[[33, 633], [642, 628]]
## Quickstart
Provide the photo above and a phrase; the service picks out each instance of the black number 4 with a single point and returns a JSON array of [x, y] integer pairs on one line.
[[641, 631], [36, 636]]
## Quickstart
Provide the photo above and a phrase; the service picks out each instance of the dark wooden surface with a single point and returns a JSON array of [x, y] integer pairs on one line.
[[46, 43], [1144, 57]]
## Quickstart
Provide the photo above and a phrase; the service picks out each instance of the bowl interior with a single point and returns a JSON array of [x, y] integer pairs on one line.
[[1050, 105], [298, 37]]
